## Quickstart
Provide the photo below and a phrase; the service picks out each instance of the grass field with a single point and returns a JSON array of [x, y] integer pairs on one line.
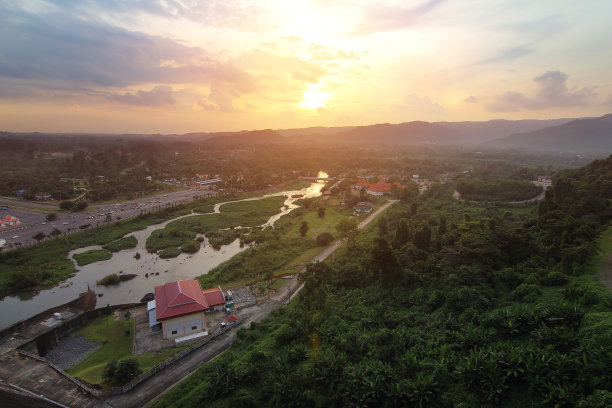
[[121, 244], [91, 256], [116, 338], [282, 254]]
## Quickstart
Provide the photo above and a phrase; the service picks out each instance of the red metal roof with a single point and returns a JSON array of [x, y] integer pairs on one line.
[[179, 298], [214, 297]]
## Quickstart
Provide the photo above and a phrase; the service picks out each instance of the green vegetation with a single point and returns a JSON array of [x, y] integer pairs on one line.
[[452, 304], [121, 372], [111, 279], [506, 190], [171, 252], [91, 256], [168, 237], [116, 338], [190, 247], [220, 228], [121, 244], [279, 250]]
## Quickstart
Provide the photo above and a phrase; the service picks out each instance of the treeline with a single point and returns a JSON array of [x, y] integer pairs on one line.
[[505, 190], [442, 304]]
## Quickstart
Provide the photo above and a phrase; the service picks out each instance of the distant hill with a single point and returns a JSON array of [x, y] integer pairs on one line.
[[493, 129], [248, 137], [420, 132], [591, 135], [403, 133], [313, 131]]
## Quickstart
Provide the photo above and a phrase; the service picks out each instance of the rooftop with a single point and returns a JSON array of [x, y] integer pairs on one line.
[[179, 298]]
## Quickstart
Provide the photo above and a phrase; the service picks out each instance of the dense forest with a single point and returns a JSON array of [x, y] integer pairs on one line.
[[442, 304]]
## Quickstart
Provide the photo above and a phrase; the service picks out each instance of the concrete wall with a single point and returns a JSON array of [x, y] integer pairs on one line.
[[183, 325]]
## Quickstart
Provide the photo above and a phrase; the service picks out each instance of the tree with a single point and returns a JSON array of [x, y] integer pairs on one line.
[[402, 235], [39, 237], [56, 232], [80, 206], [321, 212], [66, 205], [304, 228], [324, 239], [383, 226], [348, 228], [51, 217], [108, 218], [122, 372]]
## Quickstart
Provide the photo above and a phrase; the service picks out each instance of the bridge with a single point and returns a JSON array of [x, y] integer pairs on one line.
[[318, 178]]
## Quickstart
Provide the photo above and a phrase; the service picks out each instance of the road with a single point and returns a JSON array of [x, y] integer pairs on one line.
[[148, 391], [33, 220]]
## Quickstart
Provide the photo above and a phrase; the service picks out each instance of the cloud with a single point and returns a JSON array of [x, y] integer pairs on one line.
[[158, 96], [471, 99], [240, 15], [63, 48], [552, 92], [382, 17], [507, 55]]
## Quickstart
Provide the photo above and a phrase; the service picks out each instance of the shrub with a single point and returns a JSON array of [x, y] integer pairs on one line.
[[324, 239], [190, 247], [169, 253], [111, 279]]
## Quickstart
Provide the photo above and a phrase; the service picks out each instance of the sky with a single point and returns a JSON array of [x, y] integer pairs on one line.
[[178, 66]]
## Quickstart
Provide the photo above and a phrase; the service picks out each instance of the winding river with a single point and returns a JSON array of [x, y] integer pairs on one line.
[[151, 270]]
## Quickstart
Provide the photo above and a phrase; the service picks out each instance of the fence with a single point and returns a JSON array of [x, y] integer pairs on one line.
[[107, 392]]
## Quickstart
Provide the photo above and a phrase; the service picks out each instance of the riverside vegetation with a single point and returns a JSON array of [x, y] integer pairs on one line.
[[442, 304]]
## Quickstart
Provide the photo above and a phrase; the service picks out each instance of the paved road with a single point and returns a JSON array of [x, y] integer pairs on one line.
[[149, 390], [33, 219]]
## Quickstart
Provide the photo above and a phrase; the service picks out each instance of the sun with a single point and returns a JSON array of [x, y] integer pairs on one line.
[[314, 98]]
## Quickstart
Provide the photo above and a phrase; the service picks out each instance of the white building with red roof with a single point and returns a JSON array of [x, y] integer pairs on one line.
[[215, 299], [180, 307]]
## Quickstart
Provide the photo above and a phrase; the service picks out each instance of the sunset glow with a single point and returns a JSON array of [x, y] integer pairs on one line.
[[172, 67]]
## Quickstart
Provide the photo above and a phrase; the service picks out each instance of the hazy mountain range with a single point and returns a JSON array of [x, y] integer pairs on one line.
[[587, 135]]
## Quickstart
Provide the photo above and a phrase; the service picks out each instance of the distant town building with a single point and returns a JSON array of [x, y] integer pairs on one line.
[[43, 197], [9, 221]]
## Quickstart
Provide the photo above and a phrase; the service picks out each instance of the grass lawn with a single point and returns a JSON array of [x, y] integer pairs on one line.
[[316, 225], [91, 256], [279, 283], [115, 345]]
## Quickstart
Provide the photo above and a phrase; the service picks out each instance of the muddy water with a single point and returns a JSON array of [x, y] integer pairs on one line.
[[151, 270]]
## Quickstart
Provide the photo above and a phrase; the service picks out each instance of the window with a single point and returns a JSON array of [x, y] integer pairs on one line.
[[174, 332], [194, 327]]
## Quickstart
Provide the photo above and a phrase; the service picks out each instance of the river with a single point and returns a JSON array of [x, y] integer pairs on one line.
[[151, 270]]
